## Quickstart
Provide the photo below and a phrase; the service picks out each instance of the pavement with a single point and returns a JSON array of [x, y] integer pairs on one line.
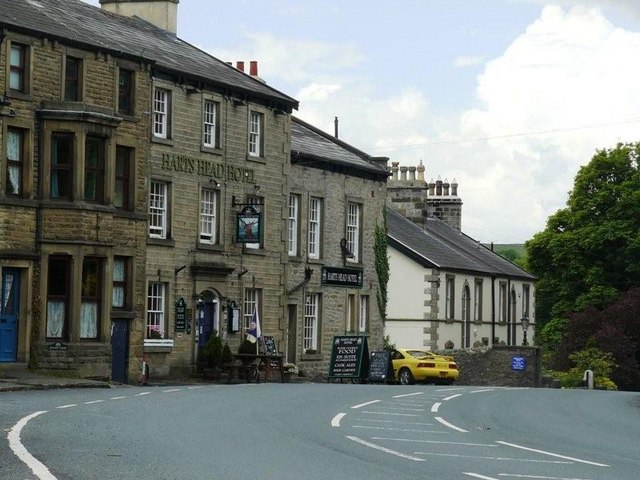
[[17, 377], [14, 379]]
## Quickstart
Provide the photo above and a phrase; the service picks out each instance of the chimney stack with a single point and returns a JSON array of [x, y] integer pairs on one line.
[[253, 68], [240, 65], [161, 13]]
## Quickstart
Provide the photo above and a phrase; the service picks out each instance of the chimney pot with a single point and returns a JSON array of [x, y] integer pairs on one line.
[[240, 66], [253, 68]]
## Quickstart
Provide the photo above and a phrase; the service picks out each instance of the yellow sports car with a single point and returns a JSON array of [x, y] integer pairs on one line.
[[411, 366]]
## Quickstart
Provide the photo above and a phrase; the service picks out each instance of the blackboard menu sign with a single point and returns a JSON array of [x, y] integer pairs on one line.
[[269, 345], [380, 367], [181, 315], [349, 357]]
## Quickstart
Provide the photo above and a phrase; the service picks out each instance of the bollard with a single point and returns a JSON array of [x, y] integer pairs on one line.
[[588, 377]]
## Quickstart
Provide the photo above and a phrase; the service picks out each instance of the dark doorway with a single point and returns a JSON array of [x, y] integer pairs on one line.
[[119, 350], [9, 306], [206, 322], [293, 333]]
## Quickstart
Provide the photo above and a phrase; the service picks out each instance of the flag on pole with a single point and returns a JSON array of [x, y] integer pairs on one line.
[[254, 328]]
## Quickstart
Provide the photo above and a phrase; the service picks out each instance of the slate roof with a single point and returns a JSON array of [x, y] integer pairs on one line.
[[444, 247], [86, 26], [313, 147]]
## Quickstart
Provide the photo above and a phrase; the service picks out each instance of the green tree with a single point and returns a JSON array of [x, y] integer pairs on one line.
[[589, 251]]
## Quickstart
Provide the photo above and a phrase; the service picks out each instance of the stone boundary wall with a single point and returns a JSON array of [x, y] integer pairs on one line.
[[493, 366]]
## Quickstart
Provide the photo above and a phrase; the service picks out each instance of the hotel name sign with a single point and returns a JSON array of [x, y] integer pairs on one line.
[[207, 168]]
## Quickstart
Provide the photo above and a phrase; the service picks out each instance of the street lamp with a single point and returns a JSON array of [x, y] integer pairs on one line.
[[525, 325]]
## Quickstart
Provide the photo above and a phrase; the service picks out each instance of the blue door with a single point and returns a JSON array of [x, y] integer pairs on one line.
[[9, 303], [206, 322], [119, 350]]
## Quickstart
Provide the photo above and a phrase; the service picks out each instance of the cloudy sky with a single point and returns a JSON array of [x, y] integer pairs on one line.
[[509, 97]]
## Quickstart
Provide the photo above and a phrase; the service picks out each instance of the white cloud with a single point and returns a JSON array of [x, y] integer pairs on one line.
[[566, 76]]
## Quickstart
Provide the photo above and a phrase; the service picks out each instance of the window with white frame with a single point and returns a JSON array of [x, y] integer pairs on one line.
[[91, 298], [256, 121], [354, 213], [293, 225], [477, 301], [158, 205], [310, 326], [210, 124], [363, 319], [450, 298], [161, 106], [502, 303], [315, 224], [208, 216], [156, 315], [251, 304]]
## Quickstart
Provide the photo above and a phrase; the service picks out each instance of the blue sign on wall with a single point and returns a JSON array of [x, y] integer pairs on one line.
[[518, 363]]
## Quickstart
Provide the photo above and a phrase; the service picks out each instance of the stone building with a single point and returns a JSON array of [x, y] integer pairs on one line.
[[73, 204], [337, 195], [446, 290], [218, 167]]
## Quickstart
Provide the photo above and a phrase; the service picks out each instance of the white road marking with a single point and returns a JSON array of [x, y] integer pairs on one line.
[[450, 425], [143, 393], [449, 389], [407, 395], [118, 398], [477, 475], [451, 397], [383, 449], [196, 387], [37, 467], [435, 407], [71, 405], [93, 401], [438, 442], [171, 390], [406, 409], [369, 427], [335, 421], [391, 421], [552, 454], [480, 457], [365, 404], [540, 477], [392, 414], [483, 390]]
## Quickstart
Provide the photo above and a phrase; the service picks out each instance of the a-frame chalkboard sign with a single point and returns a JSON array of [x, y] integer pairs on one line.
[[380, 367], [349, 358]]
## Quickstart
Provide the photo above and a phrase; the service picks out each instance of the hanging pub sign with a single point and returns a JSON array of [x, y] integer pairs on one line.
[[342, 277], [181, 315], [248, 225]]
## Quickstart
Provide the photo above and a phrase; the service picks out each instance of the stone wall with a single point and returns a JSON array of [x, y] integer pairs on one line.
[[493, 366]]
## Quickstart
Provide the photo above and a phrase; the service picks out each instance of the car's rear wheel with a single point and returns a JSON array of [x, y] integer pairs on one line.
[[405, 377]]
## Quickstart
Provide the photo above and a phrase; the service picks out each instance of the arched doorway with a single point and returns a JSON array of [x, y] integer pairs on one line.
[[512, 318], [208, 316], [466, 317]]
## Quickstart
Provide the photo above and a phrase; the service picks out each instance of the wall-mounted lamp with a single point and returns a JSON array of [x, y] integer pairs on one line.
[[256, 188], [215, 182]]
